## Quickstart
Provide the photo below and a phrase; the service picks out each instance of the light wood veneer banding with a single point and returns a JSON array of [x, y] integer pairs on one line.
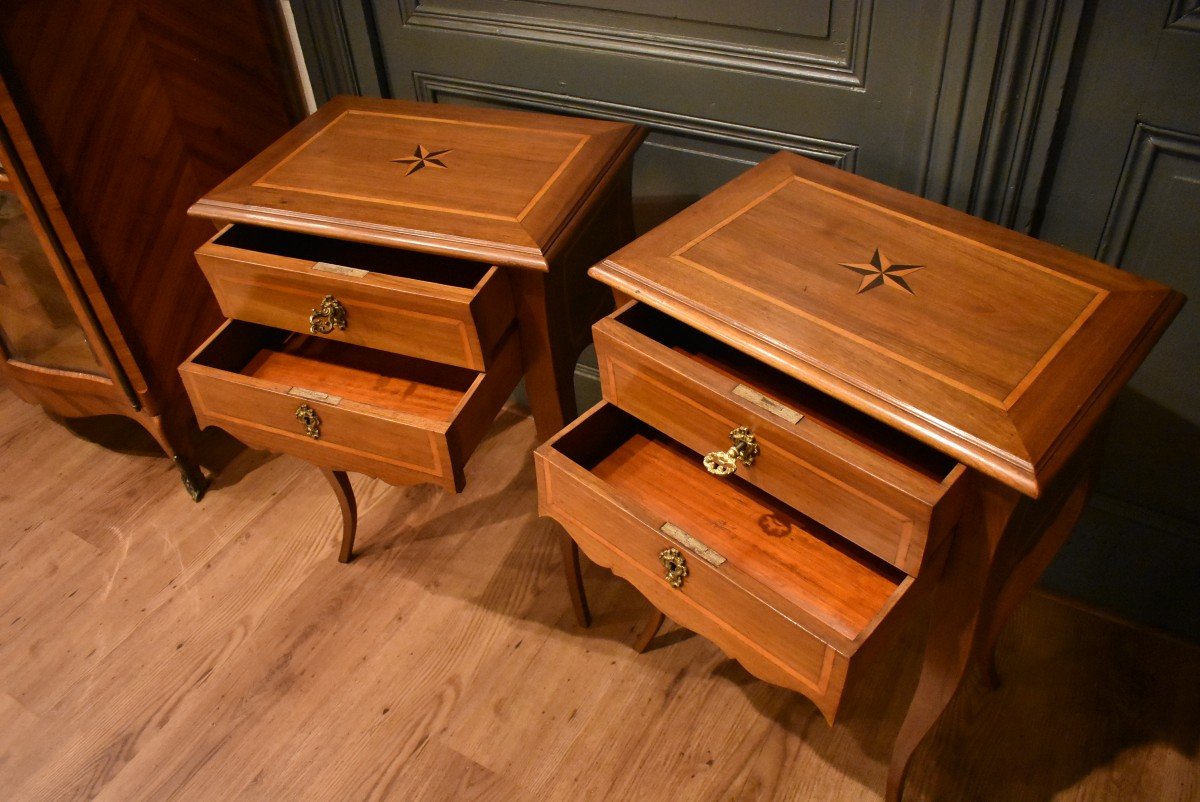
[[404, 420], [430, 307], [511, 191], [793, 602]]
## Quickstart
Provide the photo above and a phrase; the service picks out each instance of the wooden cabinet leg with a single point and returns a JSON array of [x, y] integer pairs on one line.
[[548, 355], [177, 446], [653, 625], [194, 480], [955, 611], [574, 574], [340, 483], [1021, 578], [556, 309]]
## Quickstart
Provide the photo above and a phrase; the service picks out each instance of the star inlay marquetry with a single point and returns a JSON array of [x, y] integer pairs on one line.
[[423, 157], [880, 271]]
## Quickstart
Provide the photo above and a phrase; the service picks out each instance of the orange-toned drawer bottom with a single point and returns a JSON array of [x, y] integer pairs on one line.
[[402, 419], [789, 599]]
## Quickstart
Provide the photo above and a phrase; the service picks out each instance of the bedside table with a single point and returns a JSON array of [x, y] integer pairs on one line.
[[829, 407], [392, 269]]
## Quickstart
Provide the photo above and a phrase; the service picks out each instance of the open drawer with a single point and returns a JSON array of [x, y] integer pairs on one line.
[[401, 419], [890, 494], [430, 307], [786, 597]]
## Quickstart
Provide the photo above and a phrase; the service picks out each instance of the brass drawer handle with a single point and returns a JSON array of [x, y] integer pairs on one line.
[[676, 566], [745, 448], [328, 316], [312, 422]]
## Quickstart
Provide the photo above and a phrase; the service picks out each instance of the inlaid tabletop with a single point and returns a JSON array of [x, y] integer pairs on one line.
[[988, 344], [485, 184]]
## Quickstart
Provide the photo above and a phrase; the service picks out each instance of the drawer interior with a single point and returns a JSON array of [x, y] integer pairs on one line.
[[364, 375], [817, 407], [375, 258], [763, 539]]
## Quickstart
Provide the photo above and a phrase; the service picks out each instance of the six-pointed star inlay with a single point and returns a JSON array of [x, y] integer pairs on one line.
[[880, 270], [422, 157]]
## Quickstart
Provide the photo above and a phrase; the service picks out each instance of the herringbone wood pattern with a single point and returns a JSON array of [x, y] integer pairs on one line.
[[136, 108]]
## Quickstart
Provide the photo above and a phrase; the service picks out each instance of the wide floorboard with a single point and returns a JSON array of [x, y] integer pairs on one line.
[[152, 648]]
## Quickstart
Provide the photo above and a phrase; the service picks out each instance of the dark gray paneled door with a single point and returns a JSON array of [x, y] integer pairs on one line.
[[896, 90], [1126, 189]]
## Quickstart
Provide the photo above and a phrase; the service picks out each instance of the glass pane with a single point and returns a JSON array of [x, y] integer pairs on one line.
[[36, 321]]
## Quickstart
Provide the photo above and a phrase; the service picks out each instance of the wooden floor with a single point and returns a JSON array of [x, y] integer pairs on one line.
[[151, 648]]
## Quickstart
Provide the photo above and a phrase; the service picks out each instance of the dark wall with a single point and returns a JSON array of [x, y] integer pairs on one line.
[[1125, 189]]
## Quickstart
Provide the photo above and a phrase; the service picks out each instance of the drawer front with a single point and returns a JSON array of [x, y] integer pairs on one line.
[[897, 517], [398, 448], [452, 325], [748, 629]]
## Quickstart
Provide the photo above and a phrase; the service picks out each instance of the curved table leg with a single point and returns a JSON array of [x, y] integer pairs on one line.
[[956, 608], [1021, 578], [340, 483], [653, 625], [574, 572]]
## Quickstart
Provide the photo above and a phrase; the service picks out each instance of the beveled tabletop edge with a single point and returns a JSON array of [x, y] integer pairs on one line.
[[527, 254], [1058, 453], [593, 194], [465, 248], [1015, 470]]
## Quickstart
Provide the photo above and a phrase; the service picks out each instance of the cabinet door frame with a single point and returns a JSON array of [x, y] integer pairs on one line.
[[54, 386]]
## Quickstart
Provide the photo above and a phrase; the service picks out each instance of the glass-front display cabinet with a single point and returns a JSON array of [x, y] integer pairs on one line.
[[59, 342], [101, 154]]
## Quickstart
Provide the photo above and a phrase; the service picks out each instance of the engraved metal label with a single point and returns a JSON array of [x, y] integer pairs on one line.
[[313, 395], [683, 538], [341, 270], [769, 404]]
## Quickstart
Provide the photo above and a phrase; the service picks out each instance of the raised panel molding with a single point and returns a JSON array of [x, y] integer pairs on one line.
[[1185, 15], [338, 40], [431, 88], [838, 58], [1005, 71], [1029, 82], [1147, 144]]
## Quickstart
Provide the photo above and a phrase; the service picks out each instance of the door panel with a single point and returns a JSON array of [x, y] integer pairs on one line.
[[813, 39], [1153, 229], [852, 82], [951, 99]]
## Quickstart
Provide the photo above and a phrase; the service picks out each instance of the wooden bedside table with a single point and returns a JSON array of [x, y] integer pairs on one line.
[[391, 270], [831, 406]]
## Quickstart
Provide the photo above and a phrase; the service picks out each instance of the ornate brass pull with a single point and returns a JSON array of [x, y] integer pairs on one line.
[[328, 316], [312, 422], [676, 566], [745, 448]]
